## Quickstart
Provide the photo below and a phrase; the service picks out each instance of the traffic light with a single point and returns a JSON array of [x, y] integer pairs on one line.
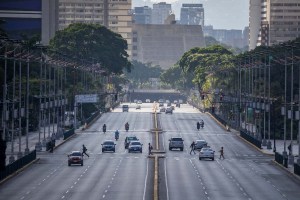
[[2, 155]]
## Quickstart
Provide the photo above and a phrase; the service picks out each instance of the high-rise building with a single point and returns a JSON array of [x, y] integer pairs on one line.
[[30, 18], [160, 12], [232, 37], [116, 15], [279, 22], [192, 14], [142, 15], [254, 22]]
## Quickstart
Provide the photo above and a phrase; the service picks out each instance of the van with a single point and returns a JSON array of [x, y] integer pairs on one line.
[[125, 108]]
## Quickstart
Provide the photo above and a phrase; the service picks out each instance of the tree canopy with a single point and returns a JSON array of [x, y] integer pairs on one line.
[[95, 42]]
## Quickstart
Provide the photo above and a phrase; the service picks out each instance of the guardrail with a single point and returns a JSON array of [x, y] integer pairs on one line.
[[18, 164], [69, 133], [297, 169], [250, 139]]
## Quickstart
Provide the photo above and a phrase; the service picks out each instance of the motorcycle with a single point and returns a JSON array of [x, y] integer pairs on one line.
[[127, 127], [104, 128], [198, 126], [116, 135]]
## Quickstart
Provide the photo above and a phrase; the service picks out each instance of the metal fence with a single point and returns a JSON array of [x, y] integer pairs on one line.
[[18, 164], [250, 139]]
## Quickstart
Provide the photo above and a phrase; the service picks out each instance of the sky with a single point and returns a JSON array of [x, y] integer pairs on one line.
[[221, 14]]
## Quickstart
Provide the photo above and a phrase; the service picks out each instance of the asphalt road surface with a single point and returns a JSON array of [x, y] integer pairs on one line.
[[245, 173]]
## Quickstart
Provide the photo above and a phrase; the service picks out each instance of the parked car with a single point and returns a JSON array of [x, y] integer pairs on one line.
[[207, 152], [128, 139], [176, 143], [75, 157], [139, 102], [169, 110], [108, 145], [135, 146], [148, 101], [199, 144]]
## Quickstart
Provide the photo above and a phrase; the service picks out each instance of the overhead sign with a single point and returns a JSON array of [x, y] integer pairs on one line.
[[87, 98]]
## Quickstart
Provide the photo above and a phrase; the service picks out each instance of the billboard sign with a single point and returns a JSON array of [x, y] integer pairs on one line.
[[87, 98]]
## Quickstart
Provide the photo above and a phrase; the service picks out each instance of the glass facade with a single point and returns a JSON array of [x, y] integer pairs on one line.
[[21, 5]]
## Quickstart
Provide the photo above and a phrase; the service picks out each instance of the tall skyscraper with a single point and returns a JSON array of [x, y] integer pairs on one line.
[[160, 12], [142, 15], [192, 14], [279, 22], [116, 15], [30, 18]]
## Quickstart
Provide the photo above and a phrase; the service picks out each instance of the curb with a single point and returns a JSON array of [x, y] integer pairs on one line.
[[18, 171], [282, 167], [269, 154]]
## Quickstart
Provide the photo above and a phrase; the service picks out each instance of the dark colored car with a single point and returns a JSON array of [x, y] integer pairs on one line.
[[125, 108], [128, 139], [169, 110], [199, 144], [75, 157], [108, 145]]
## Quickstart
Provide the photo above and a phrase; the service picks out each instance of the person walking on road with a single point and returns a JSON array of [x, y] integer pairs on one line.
[[222, 153], [150, 149], [84, 150], [192, 148]]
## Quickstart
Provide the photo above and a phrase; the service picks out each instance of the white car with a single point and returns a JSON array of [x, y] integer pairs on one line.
[[207, 152], [148, 101], [139, 102]]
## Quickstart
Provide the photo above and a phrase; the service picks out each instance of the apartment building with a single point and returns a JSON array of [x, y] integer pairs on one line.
[[160, 12], [192, 14], [142, 15], [116, 15], [279, 22]]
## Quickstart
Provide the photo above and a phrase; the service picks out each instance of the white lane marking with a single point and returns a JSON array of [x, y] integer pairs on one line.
[[165, 165], [145, 184]]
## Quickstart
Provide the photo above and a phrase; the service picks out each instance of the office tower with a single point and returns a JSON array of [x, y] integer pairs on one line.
[[160, 12], [279, 21], [142, 15], [30, 18], [192, 14]]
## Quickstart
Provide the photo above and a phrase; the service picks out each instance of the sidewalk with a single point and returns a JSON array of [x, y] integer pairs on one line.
[[15, 151]]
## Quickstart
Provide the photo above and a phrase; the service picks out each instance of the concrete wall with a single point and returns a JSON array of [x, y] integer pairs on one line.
[[164, 44]]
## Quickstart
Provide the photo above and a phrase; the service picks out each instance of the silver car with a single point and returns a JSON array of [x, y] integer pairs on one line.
[[176, 143], [135, 146], [207, 152]]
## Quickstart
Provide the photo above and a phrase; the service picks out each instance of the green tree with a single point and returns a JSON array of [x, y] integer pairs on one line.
[[142, 72], [94, 42]]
